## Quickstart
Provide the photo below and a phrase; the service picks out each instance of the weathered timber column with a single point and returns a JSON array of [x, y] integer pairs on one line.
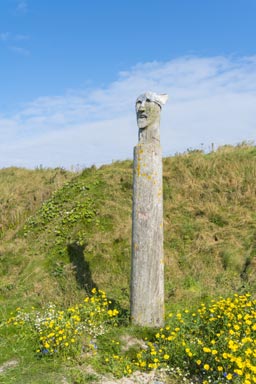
[[147, 275]]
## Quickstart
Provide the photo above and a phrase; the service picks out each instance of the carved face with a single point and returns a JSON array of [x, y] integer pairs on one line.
[[148, 112]]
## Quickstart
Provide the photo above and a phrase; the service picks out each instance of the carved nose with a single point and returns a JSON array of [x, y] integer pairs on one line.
[[142, 106]]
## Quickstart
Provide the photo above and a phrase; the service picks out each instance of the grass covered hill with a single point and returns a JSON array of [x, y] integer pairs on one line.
[[65, 240], [64, 233]]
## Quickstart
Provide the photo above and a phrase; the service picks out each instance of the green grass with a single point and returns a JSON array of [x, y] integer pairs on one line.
[[63, 234]]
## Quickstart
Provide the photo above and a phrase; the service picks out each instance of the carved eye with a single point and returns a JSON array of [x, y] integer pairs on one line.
[[138, 104], [148, 100]]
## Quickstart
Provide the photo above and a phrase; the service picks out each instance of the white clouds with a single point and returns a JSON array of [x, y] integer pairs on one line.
[[7, 36], [22, 6], [210, 100], [4, 36], [14, 41], [20, 37], [11, 41], [19, 50]]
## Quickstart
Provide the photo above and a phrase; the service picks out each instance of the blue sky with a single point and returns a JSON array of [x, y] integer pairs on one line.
[[70, 72]]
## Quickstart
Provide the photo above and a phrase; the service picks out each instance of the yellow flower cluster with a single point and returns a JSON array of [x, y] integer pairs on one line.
[[216, 342], [71, 330]]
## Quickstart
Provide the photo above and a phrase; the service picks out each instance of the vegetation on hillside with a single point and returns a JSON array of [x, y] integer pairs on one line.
[[23, 191], [64, 234]]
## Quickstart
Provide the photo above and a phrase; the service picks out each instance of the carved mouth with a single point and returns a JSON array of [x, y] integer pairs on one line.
[[142, 116]]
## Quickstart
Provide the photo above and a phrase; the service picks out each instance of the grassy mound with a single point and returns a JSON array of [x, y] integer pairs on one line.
[[80, 236], [64, 234]]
